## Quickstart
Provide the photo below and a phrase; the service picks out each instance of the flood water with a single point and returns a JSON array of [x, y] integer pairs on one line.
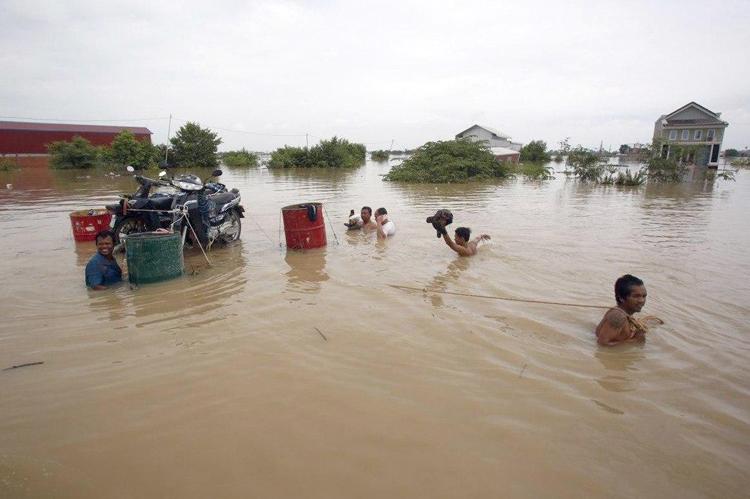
[[276, 373]]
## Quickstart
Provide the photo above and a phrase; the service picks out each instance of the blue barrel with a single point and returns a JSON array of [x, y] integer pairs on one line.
[[154, 257]]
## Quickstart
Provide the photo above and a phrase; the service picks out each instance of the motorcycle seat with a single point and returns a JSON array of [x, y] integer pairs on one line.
[[222, 197], [161, 202]]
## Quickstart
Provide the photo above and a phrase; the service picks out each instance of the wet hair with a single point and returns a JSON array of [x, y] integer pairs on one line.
[[381, 211], [105, 234], [369, 210], [624, 285], [351, 213], [464, 233]]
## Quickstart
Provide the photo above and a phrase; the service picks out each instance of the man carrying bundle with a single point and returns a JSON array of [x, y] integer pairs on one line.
[[618, 325], [463, 245]]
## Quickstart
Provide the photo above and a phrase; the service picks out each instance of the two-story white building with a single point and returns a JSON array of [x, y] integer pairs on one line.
[[691, 125]]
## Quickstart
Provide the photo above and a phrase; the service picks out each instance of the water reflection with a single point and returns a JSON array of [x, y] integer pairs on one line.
[[306, 270], [620, 362], [443, 280]]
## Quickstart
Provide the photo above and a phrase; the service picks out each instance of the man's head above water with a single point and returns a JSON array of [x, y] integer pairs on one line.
[[630, 293], [365, 214], [105, 243]]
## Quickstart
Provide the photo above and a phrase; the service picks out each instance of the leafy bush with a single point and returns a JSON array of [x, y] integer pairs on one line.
[[7, 165], [240, 158], [741, 162], [78, 153], [449, 161], [195, 146], [535, 151], [380, 155], [586, 165], [533, 171], [333, 153], [127, 150], [665, 169], [731, 153], [625, 179]]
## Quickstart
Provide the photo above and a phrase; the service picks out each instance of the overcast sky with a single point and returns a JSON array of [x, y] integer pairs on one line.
[[375, 71]]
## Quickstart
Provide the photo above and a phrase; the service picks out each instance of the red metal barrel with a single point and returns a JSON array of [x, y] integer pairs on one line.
[[88, 223], [304, 226]]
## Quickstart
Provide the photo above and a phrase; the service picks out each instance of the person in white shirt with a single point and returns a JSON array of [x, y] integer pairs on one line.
[[386, 228]]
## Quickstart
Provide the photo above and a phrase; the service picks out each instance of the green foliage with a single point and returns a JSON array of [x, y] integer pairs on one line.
[[558, 158], [535, 151], [533, 171], [449, 161], [380, 155], [624, 179], [195, 146], [741, 162], [127, 150], [586, 165], [240, 158], [333, 153], [731, 153], [78, 153], [7, 165], [625, 149], [664, 169]]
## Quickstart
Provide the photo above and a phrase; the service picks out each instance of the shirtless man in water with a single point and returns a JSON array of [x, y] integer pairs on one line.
[[618, 325], [463, 246]]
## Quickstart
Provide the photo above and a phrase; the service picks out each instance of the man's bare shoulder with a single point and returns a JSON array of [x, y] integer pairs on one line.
[[616, 317]]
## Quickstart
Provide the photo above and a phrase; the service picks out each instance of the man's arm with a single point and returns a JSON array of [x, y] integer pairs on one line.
[[611, 328], [455, 247], [95, 277]]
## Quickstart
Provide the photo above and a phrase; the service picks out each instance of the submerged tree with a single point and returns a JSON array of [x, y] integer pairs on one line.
[[78, 153], [195, 146], [126, 149], [535, 151], [333, 153], [239, 158], [450, 161]]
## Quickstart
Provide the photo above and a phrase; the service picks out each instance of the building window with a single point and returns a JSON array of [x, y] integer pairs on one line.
[[673, 135], [685, 134], [710, 134], [697, 134]]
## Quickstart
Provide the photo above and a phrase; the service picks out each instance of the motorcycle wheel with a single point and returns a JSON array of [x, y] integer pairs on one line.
[[233, 233], [128, 225]]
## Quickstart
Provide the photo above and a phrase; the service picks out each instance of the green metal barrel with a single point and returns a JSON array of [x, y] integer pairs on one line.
[[154, 257]]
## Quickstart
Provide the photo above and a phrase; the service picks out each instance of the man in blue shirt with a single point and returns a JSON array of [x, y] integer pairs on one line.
[[102, 270]]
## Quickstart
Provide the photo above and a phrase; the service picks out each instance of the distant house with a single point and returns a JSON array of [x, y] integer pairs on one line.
[[489, 136], [26, 140], [691, 125]]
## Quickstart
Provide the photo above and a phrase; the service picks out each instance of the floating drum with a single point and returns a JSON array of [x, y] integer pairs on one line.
[[304, 226], [88, 223], [154, 257]]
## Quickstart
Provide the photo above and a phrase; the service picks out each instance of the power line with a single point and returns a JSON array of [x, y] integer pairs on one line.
[[224, 129]]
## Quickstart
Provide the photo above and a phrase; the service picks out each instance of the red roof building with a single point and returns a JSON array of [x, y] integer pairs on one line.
[[23, 138]]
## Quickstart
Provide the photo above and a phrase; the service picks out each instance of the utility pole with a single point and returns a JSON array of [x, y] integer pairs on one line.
[[307, 144], [391, 148], [169, 130]]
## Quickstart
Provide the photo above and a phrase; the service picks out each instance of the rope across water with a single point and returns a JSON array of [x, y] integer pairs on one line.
[[504, 298]]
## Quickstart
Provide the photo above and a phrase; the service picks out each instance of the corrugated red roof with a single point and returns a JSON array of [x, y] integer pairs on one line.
[[64, 127]]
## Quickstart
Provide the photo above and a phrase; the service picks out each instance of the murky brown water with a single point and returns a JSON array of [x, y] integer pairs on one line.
[[218, 384]]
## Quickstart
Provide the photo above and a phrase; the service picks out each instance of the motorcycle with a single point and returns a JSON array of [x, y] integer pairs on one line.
[[213, 213]]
